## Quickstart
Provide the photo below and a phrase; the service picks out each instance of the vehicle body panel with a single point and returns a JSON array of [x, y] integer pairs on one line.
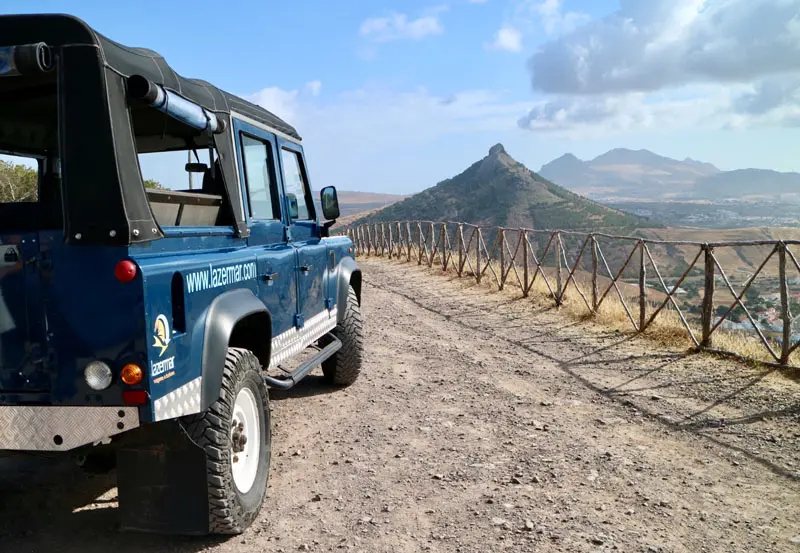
[[62, 305]]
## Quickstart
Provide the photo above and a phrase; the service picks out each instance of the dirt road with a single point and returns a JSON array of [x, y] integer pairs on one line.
[[484, 424]]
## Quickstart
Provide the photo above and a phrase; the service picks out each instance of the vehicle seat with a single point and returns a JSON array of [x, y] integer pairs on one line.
[[213, 184], [212, 180]]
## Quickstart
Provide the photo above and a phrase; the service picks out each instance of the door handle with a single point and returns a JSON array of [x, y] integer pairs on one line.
[[271, 276], [306, 268]]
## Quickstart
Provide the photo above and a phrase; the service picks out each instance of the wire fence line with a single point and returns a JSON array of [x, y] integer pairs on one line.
[[565, 262]]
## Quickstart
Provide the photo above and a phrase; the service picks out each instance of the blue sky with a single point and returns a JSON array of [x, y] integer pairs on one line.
[[395, 95]]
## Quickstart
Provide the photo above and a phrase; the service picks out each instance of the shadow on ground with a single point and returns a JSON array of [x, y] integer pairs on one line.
[[50, 504], [697, 394]]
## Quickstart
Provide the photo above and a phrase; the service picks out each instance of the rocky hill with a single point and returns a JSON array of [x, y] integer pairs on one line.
[[627, 173], [642, 174], [499, 190]]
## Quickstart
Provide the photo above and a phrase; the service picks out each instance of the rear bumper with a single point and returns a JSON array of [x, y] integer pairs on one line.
[[43, 428]]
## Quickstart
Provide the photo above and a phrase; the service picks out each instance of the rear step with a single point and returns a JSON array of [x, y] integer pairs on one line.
[[289, 381]]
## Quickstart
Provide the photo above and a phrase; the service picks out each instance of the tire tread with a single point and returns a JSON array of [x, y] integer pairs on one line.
[[226, 515]]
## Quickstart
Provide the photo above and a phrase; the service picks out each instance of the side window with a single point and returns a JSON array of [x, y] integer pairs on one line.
[[297, 193], [19, 179], [258, 171]]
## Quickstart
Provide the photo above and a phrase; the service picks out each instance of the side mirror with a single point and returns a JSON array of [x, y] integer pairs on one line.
[[330, 202], [294, 210]]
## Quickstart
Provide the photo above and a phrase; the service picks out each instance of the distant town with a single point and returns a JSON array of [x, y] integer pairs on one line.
[[720, 214]]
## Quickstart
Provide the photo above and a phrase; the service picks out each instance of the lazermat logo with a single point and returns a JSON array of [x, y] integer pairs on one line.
[[215, 277], [161, 334]]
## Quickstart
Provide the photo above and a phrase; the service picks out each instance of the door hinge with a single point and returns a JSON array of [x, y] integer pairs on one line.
[[329, 302], [299, 321]]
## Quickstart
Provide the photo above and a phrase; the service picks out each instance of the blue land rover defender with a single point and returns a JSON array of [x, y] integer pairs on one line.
[[150, 321]]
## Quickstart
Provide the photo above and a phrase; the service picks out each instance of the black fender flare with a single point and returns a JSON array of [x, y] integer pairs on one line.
[[349, 273], [225, 311]]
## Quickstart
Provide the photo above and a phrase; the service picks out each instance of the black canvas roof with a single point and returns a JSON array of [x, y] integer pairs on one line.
[[62, 30]]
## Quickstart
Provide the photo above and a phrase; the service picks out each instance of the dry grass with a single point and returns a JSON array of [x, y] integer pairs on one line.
[[666, 329]]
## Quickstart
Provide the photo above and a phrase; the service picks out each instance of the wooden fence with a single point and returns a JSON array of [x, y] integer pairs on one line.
[[523, 256]]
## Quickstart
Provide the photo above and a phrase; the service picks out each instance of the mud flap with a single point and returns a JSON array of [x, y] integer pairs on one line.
[[161, 480]]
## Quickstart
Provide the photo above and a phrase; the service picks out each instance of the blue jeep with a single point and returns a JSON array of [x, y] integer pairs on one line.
[[145, 324]]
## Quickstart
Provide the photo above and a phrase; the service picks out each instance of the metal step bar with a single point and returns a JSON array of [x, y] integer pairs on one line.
[[290, 380]]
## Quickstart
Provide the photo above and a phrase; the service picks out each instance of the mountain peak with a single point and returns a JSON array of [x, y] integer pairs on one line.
[[499, 191], [497, 149]]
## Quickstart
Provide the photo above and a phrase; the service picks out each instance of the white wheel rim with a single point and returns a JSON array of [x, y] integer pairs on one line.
[[244, 460]]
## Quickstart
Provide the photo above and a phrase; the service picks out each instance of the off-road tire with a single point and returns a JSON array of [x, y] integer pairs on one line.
[[229, 510], [344, 366]]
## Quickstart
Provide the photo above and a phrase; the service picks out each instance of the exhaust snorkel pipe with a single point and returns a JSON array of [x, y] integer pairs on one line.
[[25, 59], [156, 96]]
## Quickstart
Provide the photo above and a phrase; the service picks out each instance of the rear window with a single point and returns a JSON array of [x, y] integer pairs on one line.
[[30, 185], [181, 171], [19, 179]]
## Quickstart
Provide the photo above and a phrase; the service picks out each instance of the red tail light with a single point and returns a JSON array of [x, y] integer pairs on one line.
[[134, 397], [125, 271]]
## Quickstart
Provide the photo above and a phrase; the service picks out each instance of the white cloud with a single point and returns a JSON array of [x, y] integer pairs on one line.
[[669, 64], [365, 138], [588, 115], [285, 103], [314, 87], [770, 103], [508, 39], [663, 43], [280, 102], [549, 15], [535, 18], [375, 115], [398, 26]]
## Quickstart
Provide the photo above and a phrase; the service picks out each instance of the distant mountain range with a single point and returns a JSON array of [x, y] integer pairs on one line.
[[642, 174], [498, 190]]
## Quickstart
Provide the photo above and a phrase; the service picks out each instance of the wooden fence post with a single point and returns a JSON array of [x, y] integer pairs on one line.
[[419, 257], [595, 291], [642, 288], [443, 238], [399, 240], [502, 257], [408, 245], [559, 291], [460, 249], [786, 313], [524, 263], [478, 253], [708, 296], [431, 239]]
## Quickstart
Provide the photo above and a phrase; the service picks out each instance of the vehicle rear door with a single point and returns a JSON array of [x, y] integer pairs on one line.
[[276, 258], [304, 232], [22, 321]]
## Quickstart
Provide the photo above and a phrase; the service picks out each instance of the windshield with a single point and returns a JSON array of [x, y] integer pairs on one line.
[[29, 184]]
